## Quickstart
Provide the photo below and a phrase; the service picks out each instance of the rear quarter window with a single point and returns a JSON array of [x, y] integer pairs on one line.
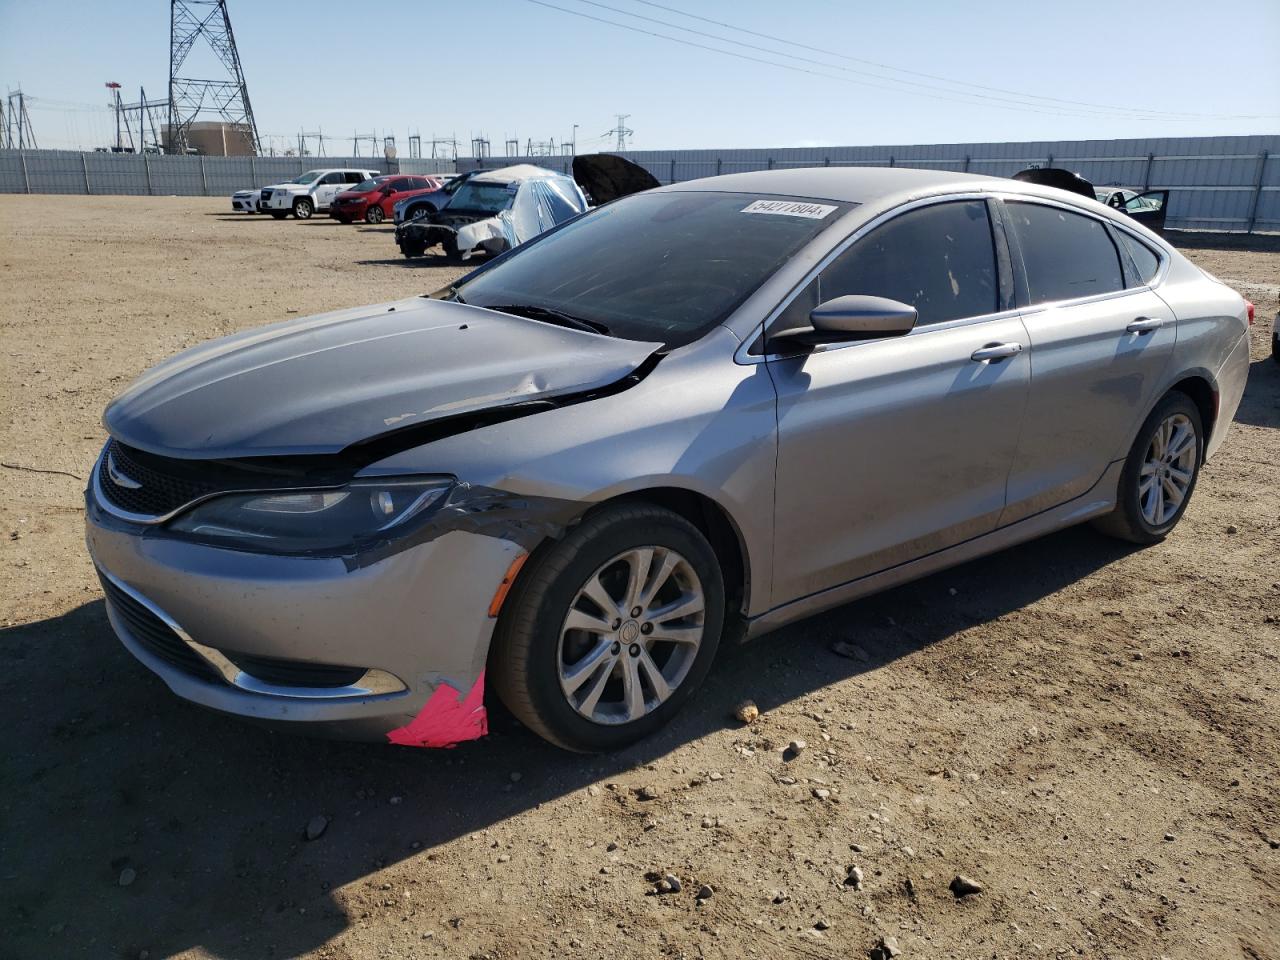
[[1144, 258]]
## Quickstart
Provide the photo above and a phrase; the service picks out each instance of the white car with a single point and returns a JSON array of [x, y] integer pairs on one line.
[[312, 191], [245, 201]]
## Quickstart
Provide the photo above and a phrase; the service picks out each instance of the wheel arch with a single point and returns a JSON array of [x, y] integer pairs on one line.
[[711, 519], [1199, 387]]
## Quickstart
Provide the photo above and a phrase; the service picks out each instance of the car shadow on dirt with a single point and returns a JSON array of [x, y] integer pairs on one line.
[[428, 259], [107, 771], [1260, 406]]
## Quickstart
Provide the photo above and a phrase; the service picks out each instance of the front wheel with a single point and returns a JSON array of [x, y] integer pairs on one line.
[[374, 214], [609, 631], [303, 208], [1159, 474]]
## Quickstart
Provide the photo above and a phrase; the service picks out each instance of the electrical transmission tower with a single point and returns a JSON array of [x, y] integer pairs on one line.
[[621, 130], [17, 133], [146, 110], [189, 20]]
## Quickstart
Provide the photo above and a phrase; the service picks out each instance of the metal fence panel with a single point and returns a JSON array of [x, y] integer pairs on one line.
[[70, 171], [1214, 183]]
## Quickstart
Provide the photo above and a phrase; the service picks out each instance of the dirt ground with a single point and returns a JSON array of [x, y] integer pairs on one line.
[[1089, 731]]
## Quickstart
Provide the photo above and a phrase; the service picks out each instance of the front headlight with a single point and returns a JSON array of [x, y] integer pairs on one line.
[[305, 521]]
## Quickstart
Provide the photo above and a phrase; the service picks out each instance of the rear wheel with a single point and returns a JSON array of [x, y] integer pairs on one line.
[[1159, 474], [374, 214], [303, 208], [609, 631]]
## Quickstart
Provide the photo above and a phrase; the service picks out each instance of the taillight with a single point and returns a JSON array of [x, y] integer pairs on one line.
[[1248, 305]]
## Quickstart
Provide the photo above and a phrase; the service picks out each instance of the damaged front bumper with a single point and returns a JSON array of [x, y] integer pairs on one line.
[[390, 646]]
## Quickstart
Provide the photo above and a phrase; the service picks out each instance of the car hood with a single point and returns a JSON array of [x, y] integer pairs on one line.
[[355, 195], [287, 186], [320, 384]]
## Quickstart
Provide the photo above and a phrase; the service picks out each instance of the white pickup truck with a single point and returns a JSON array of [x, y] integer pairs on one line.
[[310, 192]]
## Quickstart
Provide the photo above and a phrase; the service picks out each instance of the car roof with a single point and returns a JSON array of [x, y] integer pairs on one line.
[[517, 173], [843, 184]]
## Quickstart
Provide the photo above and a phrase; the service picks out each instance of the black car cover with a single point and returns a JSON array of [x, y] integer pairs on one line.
[[1057, 177], [604, 177]]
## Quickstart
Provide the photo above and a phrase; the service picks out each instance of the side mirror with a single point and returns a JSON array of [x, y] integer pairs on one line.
[[846, 319]]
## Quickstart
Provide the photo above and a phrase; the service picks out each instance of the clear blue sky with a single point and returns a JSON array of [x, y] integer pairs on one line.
[[510, 68]]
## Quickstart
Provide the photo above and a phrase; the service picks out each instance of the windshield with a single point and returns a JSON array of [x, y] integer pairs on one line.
[[656, 266], [489, 197], [365, 186], [309, 177]]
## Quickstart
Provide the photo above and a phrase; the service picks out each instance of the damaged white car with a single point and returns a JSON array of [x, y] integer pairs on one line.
[[496, 210]]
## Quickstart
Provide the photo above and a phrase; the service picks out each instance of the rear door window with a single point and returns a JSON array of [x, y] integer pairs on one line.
[[1065, 255], [333, 178]]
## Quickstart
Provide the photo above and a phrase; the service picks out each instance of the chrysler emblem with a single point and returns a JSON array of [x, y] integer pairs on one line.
[[118, 478]]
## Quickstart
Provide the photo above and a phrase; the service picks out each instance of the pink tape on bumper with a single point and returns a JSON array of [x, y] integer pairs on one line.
[[446, 720]]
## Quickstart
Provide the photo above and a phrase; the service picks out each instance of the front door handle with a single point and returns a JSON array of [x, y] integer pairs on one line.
[[1144, 325], [996, 352]]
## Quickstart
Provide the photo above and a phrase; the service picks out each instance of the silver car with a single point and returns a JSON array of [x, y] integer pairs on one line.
[[700, 412]]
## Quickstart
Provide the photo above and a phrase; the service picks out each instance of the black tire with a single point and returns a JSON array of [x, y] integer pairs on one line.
[[278, 214], [1126, 521], [303, 208], [373, 214], [450, 246], [411, 248], [524, 657]]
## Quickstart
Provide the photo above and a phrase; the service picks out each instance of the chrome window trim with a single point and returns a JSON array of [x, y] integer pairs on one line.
[[743, 357], [374, 682]]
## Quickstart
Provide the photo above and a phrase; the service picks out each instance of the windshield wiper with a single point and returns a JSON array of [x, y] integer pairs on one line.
[[551, 315]]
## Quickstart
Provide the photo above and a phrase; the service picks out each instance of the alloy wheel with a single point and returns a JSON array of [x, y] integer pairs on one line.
[[1168, 469], [631, 635], [374, 214]]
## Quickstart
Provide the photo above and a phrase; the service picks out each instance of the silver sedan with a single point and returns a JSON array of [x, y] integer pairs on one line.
[[700, 412]]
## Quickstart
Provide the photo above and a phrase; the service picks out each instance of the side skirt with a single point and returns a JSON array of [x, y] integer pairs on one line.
[[1098, 500]]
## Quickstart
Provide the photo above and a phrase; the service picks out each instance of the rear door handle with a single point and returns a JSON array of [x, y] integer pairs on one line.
[[1144, 325], [996, 351]]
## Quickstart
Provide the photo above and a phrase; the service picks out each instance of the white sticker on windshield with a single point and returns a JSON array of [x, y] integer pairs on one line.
[[790, 208]]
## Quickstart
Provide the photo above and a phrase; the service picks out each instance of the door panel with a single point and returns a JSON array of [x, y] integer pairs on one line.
[[892, 449], [1093, 383], [1149, 209]]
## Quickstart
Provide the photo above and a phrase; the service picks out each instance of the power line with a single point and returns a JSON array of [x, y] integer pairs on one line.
[[933, 94], [934, 76], [1021, 97]]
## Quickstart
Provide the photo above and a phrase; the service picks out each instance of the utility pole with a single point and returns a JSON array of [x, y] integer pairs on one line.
[[622, 131], [189, 20], [479, 147], [573, 147]]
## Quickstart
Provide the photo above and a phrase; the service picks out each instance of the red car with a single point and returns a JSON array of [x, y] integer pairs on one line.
[[374, 198]]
